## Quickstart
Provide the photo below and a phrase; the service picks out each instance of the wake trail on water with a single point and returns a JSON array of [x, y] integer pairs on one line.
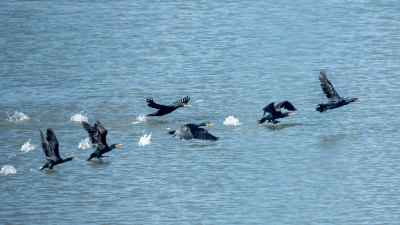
[[79, 117], [8, 169], [231, 121], [140, 119], [145, 140], [85, 144], [28, 146], [18, 117]]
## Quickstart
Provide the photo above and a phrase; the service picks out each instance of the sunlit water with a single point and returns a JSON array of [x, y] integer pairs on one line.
[[101, 59]]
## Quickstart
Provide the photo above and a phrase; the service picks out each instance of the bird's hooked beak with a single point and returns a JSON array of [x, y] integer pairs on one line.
[[73, 158], [357, 100], [209, 124], [291, 114], [186, 105], [117, 145]]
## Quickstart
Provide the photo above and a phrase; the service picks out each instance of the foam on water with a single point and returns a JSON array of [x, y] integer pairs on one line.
[[28, 146], [18, 117], [8, 169], [140, 119], [79, 118], [85, 144], [231, 121], [145, 140]]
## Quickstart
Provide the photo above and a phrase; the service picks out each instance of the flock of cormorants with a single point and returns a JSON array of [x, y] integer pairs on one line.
[[98, 133]]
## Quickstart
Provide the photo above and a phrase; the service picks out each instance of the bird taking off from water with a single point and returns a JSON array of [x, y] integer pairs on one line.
[[276, 113], [98, 135], [334, 100], [166, 109], [50, 149], [194, 131]]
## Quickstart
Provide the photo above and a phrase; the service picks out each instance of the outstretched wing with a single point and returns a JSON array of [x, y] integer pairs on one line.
[[286, 105], [184, 100], [50, 145], [102, 131], [152, 104], [93, 133], [203, 134], [270, 109], [328, 88]]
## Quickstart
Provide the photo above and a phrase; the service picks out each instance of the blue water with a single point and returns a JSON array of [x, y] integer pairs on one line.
[[102, 59]]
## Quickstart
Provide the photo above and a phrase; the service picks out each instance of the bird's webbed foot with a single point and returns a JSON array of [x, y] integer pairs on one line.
[[275, 122]]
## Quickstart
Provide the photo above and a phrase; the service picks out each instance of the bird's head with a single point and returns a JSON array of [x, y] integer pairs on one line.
[[350, 100], [70, 158], [288, 114], [205, 124], [115, 146]]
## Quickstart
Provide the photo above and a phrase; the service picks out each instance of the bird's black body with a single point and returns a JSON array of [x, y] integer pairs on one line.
[[166, 109], [50, 148], [194, 131], [275, 112], [334, 100], [97, 135]]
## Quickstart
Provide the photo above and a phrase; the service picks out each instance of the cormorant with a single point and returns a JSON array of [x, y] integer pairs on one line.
[[50, 148], [334, 100], [98, 135], [165, 109], [275, 112], [191, 130]]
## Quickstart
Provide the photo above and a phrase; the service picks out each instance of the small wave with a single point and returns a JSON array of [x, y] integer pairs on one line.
[[85, 144], [8, 169], [79, 118], [231, 121], [28, 147], [145, 140], [18, 117], [140, 119]]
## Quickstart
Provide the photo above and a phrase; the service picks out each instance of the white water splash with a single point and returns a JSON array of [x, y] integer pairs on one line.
[[79, 118], [28, 146], [8, 169], [145, 140], [140, 119], [85, 144], [231, 121], [17, 117]]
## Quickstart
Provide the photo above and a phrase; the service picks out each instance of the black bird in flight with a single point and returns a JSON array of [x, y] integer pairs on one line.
[[165, 109], [194, 131], [334, 100], [97, 135], [50, 148], [275, 112]]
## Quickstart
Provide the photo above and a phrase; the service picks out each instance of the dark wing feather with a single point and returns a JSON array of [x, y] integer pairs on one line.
[[93, 132], [328, 88], [103, 132], [152, 104], [270, 109], [201, 133], [184, 100], [286, 105], [50, 145]]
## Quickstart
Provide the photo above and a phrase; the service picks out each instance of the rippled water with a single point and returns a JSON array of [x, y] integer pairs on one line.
[[102, 59]]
